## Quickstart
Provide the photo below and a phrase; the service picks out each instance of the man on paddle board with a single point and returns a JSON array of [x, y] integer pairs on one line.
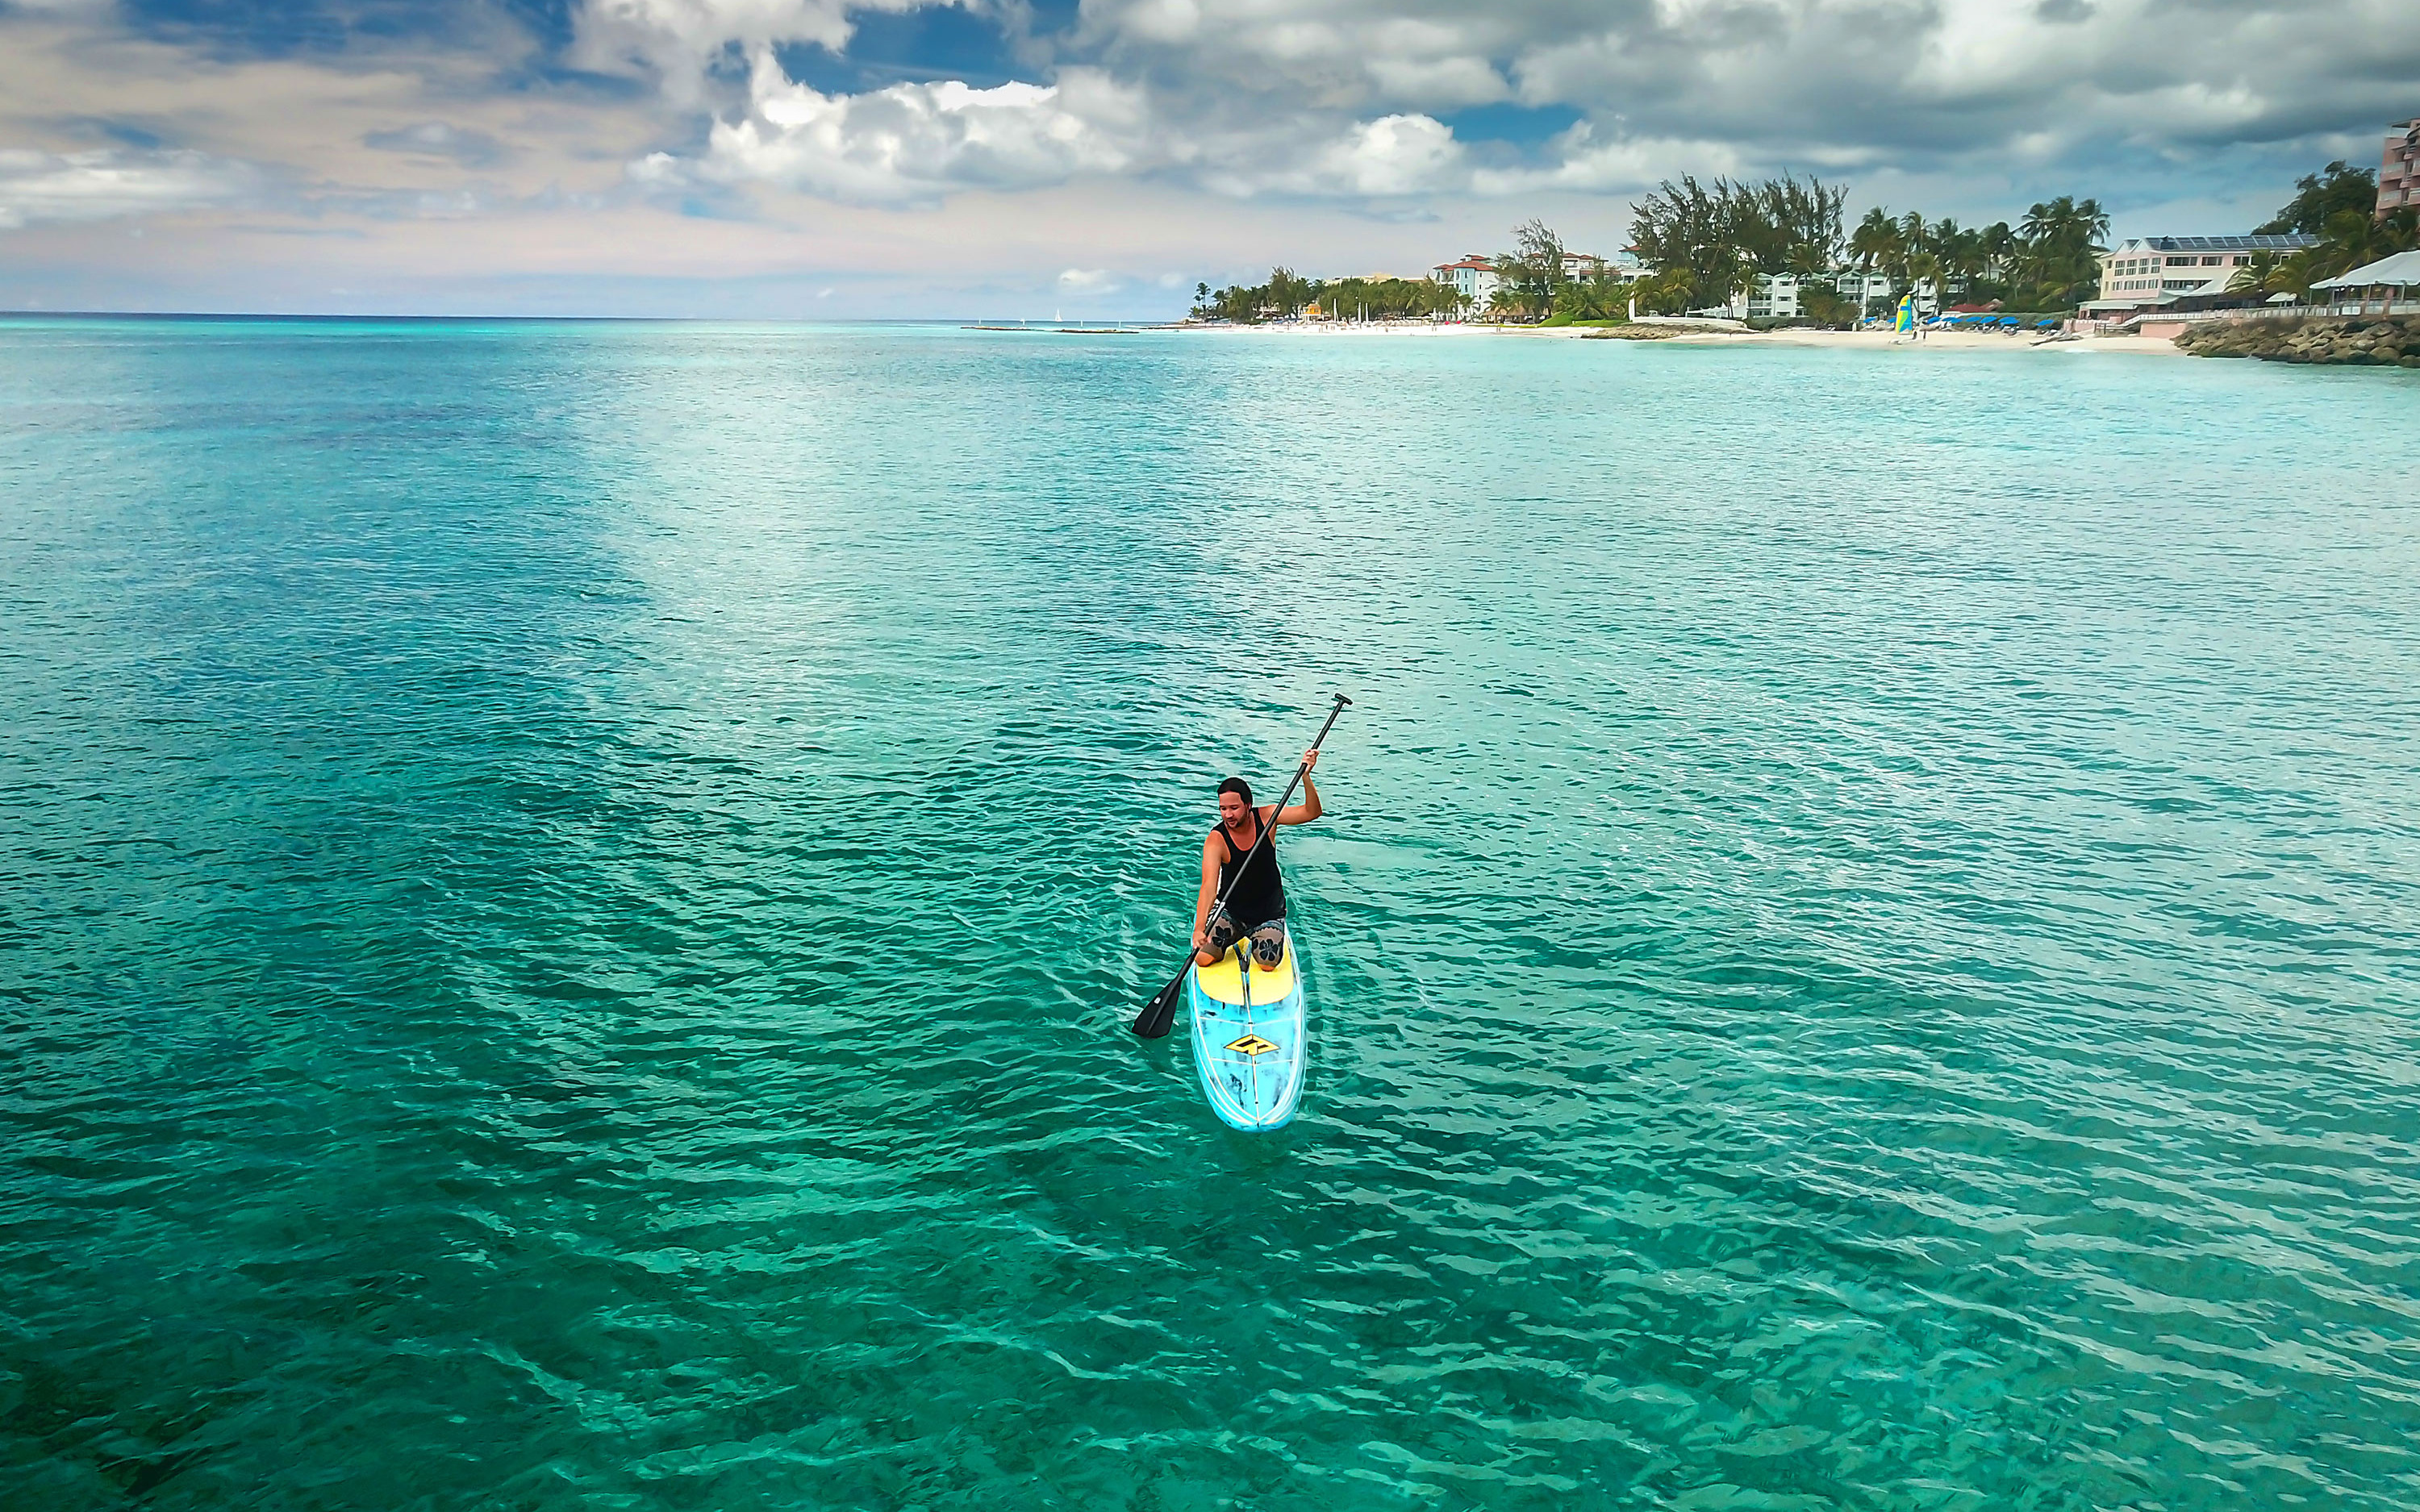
[[1257, 905]]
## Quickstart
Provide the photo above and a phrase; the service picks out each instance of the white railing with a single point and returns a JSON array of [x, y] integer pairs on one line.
[[2282, 311]]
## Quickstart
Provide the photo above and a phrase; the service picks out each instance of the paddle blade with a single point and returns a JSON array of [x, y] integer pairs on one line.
[[1158, 1014]]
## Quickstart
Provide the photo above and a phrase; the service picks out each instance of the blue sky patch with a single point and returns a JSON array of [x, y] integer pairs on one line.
[[1523, 126], [915, 46]]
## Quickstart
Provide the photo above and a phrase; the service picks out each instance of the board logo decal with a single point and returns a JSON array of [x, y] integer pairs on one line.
[[1252, 1044]]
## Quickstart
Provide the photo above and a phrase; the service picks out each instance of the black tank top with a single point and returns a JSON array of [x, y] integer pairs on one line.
[[1260, 895]]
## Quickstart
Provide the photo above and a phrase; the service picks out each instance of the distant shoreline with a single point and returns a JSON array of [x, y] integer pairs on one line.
[[1783, 336]]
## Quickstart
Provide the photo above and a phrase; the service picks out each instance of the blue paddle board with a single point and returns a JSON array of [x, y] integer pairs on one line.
[[1249, 1040]]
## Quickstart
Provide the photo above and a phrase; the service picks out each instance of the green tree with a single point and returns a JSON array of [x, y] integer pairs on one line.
[[2258, 275], [2061, 252], [2351, 239], [1726, 233], [1925, 268], [2296, 272], [2319, 197], [1914, 240], [1529, 276], [1666, 291], [1592, 299], [1826, 307], [1999, 248], [1288, 291], [1784, 227], [1875, 243], [1244, 304]]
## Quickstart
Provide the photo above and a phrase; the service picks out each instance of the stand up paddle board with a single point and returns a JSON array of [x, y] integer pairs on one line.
[[1247, 1036]]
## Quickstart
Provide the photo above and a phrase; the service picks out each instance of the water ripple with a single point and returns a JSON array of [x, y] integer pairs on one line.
[[569, 898]]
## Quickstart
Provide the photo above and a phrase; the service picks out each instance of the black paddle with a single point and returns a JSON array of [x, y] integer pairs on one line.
[[1161, 1011]]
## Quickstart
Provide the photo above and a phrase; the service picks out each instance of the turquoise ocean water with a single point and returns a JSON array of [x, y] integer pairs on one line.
[[570, 895]]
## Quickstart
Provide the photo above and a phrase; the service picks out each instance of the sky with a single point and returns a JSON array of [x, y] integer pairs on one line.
[[822, 160]]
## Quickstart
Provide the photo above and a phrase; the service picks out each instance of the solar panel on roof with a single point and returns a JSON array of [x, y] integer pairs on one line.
[[2246, 243]]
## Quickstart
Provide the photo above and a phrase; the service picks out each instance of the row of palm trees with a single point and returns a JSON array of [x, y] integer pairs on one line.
[[1287, 294], [2048, 260]]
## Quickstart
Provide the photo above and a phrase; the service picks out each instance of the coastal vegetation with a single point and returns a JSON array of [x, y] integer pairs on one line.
[[2048, 260], [1703, 244], [2337, 206], [1538, 280], [1708, 241], [1287, 295], [1711, 241]]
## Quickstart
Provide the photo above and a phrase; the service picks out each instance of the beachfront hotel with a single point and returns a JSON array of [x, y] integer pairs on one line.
[[2399, 171], [2179, 273], [1472, 277], [1475, 278], [1777, 294]]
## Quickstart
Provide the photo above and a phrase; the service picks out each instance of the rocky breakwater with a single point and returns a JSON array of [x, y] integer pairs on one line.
[[2367, 341]]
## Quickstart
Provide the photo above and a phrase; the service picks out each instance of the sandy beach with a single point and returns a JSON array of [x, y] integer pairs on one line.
[[1941, 341]]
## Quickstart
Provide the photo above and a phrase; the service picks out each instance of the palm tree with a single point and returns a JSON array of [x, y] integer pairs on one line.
[[2065, 220], [1999, 250], [1876, 241], [2355, 237], [2256, 276], [1666, 291], [2297, 272], [2062, 245], [1924, 267]]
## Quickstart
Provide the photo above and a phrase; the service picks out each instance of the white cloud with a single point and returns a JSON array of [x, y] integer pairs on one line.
[[1086, 281], [37, 186], [1394, 155], [1350, 98], [1781, 82], [1581, 160], [1332, 54], [437, 139], [913, 142], [678, 40]]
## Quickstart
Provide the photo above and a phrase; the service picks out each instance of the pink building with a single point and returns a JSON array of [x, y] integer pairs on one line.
[[2399, 172]]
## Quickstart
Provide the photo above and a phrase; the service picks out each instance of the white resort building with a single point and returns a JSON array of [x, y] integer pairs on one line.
[[1782, 295], [2158, 273], [1776, 295]]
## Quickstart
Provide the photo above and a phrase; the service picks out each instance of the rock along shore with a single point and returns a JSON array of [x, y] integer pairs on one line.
[[2371, 341]]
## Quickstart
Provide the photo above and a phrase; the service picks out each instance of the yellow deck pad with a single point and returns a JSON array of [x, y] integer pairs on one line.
[[1224, 983]]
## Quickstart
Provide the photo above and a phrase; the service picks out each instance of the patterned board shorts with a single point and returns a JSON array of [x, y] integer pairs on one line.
[[1268, 938]]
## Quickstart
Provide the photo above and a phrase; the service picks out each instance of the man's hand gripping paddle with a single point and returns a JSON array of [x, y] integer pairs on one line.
[[1154, 1021]]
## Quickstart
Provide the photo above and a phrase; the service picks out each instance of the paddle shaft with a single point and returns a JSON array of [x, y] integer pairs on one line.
[[1154, 1020]]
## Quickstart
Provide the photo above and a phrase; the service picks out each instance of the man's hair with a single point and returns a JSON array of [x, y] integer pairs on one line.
[[1240, 788]]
